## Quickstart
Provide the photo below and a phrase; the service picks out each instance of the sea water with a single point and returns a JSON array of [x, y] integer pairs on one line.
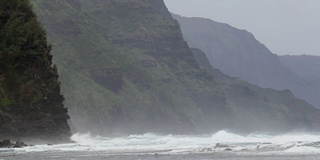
[[221, 145]]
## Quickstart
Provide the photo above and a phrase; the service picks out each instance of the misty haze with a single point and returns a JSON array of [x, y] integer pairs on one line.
[[159, 79]]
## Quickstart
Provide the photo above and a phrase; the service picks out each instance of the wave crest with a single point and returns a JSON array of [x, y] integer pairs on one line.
[[221, 141]]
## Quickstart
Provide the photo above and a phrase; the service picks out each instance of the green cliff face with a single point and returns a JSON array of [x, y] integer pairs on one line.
[[31, 106], [125, 69]]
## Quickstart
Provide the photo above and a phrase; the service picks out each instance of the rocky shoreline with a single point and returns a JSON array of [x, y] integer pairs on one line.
[[8, 144]]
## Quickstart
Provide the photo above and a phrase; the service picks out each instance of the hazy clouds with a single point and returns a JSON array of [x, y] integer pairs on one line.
[[284, 26]]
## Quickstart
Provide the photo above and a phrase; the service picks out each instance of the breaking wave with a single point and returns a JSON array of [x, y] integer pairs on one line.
[[221, 141]]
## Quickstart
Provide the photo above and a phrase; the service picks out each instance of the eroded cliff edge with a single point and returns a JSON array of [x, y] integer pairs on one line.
[[31, 106]]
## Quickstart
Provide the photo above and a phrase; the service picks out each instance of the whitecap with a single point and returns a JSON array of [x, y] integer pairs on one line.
[[149, 143]]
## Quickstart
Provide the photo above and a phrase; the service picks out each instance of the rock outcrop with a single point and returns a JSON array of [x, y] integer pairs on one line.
[[31, 106], [7, 144]]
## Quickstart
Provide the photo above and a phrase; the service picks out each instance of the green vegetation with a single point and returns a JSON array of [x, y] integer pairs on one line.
[[114, 79], [126, 69], [29, 89], [23, 49]]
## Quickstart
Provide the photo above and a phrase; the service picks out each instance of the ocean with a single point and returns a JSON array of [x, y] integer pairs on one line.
[[219, 146]]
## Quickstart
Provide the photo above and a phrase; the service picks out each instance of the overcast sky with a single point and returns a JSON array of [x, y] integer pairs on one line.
[[284, 26]]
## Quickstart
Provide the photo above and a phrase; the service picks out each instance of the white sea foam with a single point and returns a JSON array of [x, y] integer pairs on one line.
[[221, 141]]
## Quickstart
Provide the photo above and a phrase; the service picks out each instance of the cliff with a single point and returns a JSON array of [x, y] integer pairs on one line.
[[305, 66], [126, 69], [31, 106], [254, 105], [237, 53]]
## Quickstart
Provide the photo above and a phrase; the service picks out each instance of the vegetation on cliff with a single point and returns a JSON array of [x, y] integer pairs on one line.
[[31, 106], [125, 68], [121, 72]]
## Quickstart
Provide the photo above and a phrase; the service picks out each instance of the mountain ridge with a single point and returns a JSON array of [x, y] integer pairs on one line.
[[237, 53], [126, 69], [306, 66]]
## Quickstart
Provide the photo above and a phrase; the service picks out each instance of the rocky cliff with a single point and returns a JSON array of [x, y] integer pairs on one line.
[[237, 53], [31, 106], [307, 67], [126, 69], [253, 105]]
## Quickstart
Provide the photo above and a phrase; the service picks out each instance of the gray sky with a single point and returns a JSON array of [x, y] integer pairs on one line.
[[284, 26]]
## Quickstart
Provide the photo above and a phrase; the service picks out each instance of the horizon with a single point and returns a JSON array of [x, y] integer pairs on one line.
[[292, 28]]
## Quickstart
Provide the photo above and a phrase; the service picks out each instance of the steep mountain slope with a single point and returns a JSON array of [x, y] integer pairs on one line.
[[237, 53], [307, 67], [126, 69], [262, 109], [30, 102]]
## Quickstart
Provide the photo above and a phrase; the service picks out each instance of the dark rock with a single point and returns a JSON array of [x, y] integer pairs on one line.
[[6, 144], [148, 63], [19, 144], [218, 145], [109, 77]]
